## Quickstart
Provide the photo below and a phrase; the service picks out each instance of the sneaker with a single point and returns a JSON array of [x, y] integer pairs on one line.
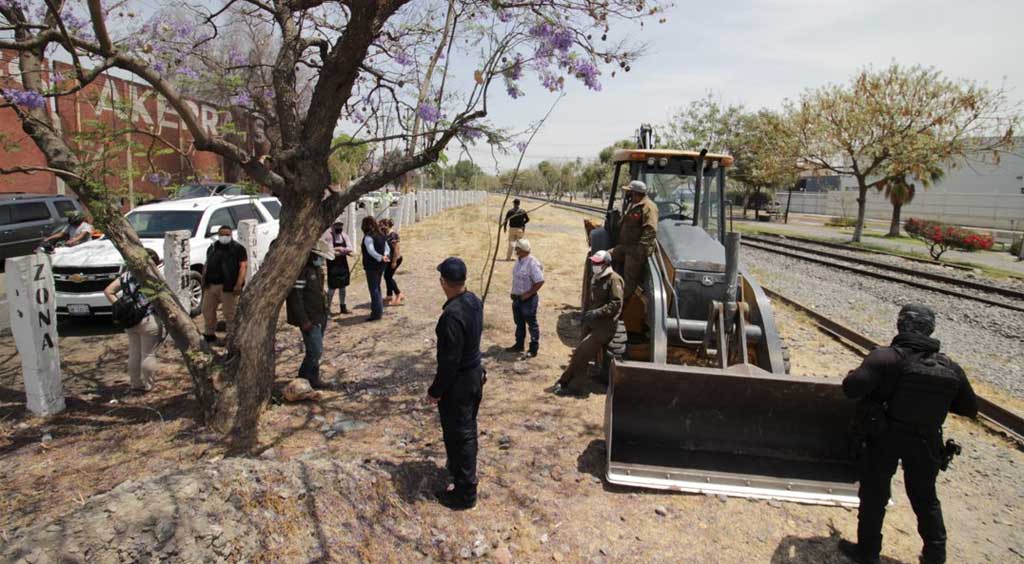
[[515, 348], [852, 551], [457, 501], [532, 353]]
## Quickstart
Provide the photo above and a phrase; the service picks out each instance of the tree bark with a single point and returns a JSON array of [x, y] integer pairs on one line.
[[894, 225], [862, 204]]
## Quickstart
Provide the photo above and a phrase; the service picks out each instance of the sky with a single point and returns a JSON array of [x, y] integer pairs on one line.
[[759, 53]]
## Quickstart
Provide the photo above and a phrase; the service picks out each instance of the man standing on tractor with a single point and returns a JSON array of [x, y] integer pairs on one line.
[[601, 318], [637, 237]]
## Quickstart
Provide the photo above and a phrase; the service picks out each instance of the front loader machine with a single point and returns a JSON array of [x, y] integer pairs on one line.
[[702, 401]]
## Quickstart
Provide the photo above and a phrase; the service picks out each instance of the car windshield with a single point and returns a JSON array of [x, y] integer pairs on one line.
[[190, 191], [156, 224]]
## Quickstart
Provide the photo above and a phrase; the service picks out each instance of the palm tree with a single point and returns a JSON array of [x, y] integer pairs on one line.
[[901, 191]]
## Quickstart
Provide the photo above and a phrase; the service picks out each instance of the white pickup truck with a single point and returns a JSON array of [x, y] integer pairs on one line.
[[81, 273]]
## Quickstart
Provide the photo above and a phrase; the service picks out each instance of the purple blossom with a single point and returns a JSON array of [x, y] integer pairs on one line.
[[504, 16], [158, 178], [243, 98], [515, 70], [236, 58], [402, 58], [428, 113], [58, 77], [158, 66], [513, 91], [470, 133], [521, 146], [552, 82], [29, 99], [188, 72], [588, 73]]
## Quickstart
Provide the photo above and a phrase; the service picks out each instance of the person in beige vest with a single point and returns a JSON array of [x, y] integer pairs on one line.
[[637, 237], [606, 294]]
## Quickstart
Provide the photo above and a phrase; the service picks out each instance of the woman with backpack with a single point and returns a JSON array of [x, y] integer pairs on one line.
[[134, 312]]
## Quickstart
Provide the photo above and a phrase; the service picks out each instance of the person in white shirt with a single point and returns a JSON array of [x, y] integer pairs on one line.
[[376, 255], [78, 231], [527, 278]]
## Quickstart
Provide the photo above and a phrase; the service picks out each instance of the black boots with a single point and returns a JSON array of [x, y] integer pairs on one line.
[[458, 500], [852, 551], [534, 347], [518, 347], [343, 310]]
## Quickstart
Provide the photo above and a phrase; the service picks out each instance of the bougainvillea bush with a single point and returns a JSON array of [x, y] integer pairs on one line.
[[941, 237]]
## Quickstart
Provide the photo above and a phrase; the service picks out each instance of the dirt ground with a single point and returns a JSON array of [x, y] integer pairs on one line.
[[541, 457]]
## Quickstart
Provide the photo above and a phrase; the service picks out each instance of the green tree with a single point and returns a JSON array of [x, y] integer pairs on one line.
[[463, 175], [900, 123], [346, 160], [703, 124], [766, 154]]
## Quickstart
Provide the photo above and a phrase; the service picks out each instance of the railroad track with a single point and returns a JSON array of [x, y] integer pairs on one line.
[[583, 208], [829, 259], [847, 247], [992, 414]]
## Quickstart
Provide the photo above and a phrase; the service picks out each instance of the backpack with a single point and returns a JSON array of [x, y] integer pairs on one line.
[[128, 311], [927, 386]]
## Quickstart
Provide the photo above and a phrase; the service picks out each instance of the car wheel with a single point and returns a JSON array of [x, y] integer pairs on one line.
[[195, 293]]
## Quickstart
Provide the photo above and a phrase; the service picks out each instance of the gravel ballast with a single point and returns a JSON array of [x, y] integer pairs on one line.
[[985, 340]]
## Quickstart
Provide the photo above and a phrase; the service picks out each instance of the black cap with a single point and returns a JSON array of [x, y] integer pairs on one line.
[[516, 201], [452, 269], [916, 318]]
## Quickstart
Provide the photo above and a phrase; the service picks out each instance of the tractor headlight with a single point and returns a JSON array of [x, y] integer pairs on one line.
[[663, 162], [650, 161]]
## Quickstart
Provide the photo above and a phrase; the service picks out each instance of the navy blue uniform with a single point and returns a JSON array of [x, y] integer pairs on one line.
[[918, 386], [459, 385]]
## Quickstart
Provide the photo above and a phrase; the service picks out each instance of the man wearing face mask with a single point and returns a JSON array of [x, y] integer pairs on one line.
[[338, 274], [77, 231], [223, 278], [910, 386], [637, 237], [307, 309], [602, 317]]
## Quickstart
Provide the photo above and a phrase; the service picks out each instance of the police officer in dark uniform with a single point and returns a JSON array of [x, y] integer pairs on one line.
[[458, 384], [910, 387]]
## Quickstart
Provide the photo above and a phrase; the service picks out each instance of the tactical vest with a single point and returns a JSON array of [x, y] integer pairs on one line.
[[927, 386]]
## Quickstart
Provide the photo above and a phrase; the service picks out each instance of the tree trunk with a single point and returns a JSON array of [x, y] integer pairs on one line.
[[862, 201], [247, 379], [894, 225]]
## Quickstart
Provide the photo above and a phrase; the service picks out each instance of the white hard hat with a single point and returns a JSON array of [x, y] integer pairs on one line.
[[523, 245], [601, 257], [637, 186]]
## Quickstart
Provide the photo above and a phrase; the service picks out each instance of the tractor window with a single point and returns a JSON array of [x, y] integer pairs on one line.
[[672, 193]]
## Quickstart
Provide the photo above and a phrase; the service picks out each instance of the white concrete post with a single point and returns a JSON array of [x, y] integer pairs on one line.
[[350, 221], [33, 311], [177, 261], [249, 237]]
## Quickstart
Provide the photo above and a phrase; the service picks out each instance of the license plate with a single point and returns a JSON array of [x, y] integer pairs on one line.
[[79, 309]]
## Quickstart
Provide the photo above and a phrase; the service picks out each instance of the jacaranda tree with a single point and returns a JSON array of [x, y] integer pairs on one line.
[[414, 72]]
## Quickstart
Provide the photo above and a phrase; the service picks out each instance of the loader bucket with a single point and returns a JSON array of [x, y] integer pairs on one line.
[[740, 432]]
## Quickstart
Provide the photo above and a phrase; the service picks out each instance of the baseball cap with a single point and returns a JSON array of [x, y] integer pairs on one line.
[[637, 186], [601, 257], [452, 269], [523, 244]]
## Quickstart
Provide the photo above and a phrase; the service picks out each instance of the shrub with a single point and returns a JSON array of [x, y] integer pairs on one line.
[[941, 237], [1015, 247], [841, 222]]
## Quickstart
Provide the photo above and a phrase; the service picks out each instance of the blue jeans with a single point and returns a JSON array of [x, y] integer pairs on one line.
[[376, 301], [313, 340], [524, 312]]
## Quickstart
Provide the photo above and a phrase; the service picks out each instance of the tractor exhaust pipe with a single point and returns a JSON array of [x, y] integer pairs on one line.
[[732, 269]]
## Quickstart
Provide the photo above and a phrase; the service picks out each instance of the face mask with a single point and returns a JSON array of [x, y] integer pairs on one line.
[[224, 239], [339, 228], [597, 268]]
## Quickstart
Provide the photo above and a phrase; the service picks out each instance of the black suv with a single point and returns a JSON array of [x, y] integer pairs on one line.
[[26, 219]]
